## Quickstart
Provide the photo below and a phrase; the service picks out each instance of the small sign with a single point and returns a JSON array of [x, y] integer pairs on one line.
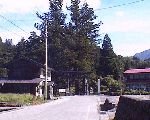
[[62, 90]]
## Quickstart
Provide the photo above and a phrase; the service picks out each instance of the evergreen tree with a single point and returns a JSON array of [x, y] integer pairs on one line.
[[7, 53], [84, 34], [55, 26], [107, 46], [109, 63]]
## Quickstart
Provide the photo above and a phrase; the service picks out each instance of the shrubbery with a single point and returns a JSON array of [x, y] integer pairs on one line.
[[136, 92], [22, 99], [110, 86]]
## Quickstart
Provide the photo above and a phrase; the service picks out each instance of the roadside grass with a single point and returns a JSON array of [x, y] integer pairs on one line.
[[21, 99]]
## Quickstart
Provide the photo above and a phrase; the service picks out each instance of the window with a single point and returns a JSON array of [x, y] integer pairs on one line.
[[136, 76], [142, 76], [131, 76]]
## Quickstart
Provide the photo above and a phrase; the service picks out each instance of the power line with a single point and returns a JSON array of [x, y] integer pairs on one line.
[[23, 20], [10, 31], [12, 23], [119, 5]]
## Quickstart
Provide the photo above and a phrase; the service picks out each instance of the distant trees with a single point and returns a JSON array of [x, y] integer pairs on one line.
[[7, 52]]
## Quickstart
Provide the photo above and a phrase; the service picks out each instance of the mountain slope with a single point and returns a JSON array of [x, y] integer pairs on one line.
[[143, 55]]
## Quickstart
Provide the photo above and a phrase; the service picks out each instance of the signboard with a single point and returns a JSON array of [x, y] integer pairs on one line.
[[62, 90]]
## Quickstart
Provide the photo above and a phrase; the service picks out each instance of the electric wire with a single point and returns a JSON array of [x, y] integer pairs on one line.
[[119, 5], [13, 23], [10, 31], [105, 8]]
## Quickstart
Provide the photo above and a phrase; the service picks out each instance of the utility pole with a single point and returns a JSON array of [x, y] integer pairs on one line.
[[45, 92]]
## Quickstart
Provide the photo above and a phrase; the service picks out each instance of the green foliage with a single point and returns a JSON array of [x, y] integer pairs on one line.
[[109, 62], [110, 86], [33, 48], [136, 92], [7, 51], [22, 99]]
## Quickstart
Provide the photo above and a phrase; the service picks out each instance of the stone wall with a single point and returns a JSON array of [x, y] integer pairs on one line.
[[132, 109]]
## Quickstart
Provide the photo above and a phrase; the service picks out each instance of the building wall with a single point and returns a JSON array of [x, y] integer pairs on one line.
[[138, 86], [138, 76], [137, 81], [19, 88], [23, 69]]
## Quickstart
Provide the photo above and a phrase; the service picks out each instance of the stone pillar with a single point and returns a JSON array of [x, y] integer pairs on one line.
[[99, 86], [51, 92], [86, 87]]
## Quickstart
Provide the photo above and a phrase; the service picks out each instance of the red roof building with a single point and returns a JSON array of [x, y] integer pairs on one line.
[[137, 79]]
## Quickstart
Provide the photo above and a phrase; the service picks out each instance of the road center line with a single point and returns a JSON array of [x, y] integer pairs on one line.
[[88, 112]]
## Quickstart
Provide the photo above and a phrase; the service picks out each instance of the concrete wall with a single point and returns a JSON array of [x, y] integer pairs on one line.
[[132, 109]]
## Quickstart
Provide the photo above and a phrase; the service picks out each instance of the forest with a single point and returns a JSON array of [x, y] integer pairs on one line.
[[73, 45]]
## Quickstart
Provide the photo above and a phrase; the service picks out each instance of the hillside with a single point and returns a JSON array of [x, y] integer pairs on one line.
[[143, 55]]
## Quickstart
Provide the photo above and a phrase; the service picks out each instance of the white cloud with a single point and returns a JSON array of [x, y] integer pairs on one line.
[[16, 34], [126, 25], [23, 6], [129, 50], [137, 30], [92, 3], [120, 13]]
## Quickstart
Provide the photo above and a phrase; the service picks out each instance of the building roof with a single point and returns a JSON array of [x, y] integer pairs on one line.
[[30, 61], [33, 81], [133, 71]]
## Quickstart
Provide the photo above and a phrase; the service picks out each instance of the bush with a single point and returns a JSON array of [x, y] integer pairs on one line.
[[136, 92], [23, 99]]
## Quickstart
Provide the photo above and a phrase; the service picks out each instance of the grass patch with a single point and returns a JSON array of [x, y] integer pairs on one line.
[[22, 99]]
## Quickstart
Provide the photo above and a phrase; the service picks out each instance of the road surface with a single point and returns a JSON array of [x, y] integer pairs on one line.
[[67, 108]]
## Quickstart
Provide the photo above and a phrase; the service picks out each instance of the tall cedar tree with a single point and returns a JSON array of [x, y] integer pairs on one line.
[[55, 27], [108, 61], [84, 34]]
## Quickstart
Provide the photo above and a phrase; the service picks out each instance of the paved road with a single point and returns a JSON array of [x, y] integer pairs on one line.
[[67, 108]]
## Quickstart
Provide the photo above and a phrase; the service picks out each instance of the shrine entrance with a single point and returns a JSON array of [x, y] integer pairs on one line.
[[75, 82]]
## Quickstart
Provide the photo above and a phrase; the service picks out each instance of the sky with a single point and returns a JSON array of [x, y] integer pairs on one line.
[[128, 25]]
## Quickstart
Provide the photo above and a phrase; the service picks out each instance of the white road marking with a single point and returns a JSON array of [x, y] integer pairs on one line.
[[87, 116]]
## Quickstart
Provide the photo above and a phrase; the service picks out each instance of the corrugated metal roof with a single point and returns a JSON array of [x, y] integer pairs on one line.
[[133, 71]]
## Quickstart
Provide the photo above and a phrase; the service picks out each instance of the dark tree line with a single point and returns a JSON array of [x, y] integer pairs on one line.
[[72, 44]]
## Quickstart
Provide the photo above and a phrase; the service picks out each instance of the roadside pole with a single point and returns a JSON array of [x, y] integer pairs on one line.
[[85, 87], [99, 86], [45, 92]]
